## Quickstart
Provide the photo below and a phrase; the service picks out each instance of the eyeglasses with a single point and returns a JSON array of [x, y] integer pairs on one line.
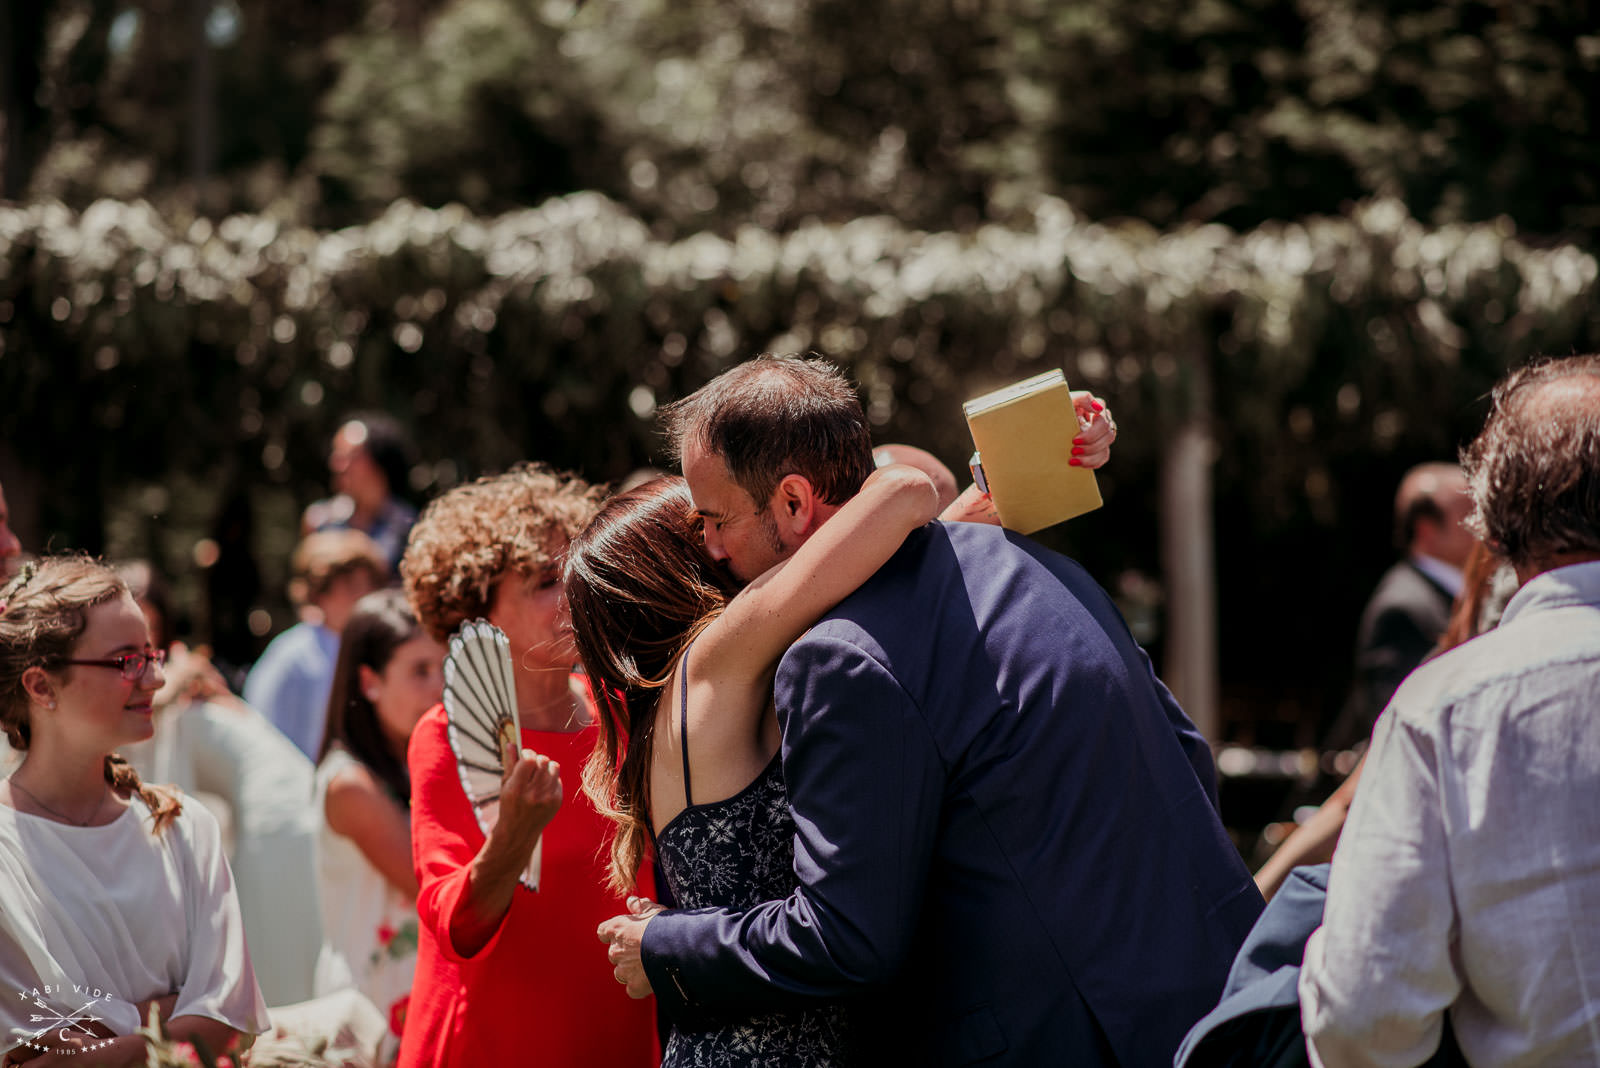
[[132, 665]]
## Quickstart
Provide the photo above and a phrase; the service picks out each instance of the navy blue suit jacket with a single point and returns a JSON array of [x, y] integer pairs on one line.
[[1007, 839]]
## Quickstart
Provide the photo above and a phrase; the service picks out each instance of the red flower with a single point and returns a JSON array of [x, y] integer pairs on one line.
[[385, 934], [397, 1015]]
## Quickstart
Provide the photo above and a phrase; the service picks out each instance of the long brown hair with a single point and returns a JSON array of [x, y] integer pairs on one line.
[[44, 610], [640, 586], [380, 623]]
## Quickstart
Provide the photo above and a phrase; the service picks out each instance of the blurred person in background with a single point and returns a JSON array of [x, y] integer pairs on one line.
[[10, 560], [1468, 876], [389, 673], [369, 464], [1410, 608], [332, 569], [224, 753], [10, 544], [507, 974], [107, 882]]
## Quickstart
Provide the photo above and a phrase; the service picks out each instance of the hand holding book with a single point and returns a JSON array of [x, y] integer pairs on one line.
[[1097, 431], [1036, 444]]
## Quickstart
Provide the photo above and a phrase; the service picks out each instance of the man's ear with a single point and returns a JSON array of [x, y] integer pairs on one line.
[[795, 506]]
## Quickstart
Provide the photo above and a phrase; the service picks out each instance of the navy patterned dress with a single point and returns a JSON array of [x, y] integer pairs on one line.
[[736, 854]]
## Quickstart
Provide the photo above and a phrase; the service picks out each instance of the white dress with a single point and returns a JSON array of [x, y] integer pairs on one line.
[[370, 927], [94, 920], [229, 750]]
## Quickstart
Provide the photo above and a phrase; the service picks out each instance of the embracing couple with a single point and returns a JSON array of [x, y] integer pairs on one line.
[[914, 791]]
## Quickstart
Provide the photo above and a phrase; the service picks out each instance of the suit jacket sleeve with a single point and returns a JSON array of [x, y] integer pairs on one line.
[[1399, 642], [1194, 744], [865, 781]]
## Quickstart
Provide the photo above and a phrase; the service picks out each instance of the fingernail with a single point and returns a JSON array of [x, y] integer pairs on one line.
[[1075, 462], [1077, 451], [1077, 441], [1099, 407]]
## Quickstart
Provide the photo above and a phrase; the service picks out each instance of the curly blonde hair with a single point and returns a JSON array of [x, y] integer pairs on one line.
[[473, 536]]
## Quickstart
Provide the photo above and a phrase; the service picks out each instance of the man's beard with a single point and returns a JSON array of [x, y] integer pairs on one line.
[[769, 529]]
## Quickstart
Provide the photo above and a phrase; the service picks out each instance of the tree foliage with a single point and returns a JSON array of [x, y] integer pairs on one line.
[[705, 115]]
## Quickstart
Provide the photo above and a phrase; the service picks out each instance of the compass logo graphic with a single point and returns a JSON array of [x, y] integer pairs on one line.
[[47, 1028]]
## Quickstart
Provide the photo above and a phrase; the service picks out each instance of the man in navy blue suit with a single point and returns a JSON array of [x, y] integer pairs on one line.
[[1007, 847]]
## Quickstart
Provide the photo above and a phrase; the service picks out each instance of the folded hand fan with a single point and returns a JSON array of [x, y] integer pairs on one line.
[[480, 699]]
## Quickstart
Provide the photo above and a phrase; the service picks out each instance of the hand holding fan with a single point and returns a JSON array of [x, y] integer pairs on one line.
[[480, 700]]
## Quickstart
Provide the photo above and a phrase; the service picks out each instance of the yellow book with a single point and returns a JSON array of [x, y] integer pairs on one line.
[[1024, 438]]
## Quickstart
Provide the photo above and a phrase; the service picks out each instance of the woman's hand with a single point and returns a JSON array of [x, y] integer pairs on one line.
[[529, 799], [973, 506], [1092, 447], [643, 907]]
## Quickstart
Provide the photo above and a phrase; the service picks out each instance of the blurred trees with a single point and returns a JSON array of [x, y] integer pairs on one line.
[[1245, 110], [705, 114]]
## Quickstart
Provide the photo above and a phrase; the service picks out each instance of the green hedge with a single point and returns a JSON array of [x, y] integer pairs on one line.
[[527, 334]]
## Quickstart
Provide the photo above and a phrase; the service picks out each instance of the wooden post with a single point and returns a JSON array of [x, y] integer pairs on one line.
[[1188, 553]]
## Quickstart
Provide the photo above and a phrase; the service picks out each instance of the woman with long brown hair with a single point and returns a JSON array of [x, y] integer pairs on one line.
[[118, 899], [389, 673], [682, 669]]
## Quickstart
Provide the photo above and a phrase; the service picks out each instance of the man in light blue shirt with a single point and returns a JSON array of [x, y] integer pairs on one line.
[[1468, 878], [333, 569]]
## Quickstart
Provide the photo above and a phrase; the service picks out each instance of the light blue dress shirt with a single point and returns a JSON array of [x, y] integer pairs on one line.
[[1467, 879], [291, 681]]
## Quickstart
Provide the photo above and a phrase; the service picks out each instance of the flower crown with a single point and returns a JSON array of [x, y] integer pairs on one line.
[[21, 580]]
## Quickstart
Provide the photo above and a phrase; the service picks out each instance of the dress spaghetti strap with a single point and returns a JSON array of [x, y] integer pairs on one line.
[[683, 721]]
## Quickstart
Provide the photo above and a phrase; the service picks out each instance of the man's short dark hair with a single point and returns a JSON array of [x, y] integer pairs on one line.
[[1535, 468], [1419, 497], [774, 416]]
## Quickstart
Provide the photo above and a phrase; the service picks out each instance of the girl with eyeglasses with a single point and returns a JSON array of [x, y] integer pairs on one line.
[[118, 899]]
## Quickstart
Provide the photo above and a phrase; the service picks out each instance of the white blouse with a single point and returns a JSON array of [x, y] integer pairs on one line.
[[370, 928], [102, 918]]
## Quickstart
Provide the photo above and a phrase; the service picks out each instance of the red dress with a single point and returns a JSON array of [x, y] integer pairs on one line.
[[541, 992]]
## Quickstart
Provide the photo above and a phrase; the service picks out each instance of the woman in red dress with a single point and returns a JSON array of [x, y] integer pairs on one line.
[[505, 973]]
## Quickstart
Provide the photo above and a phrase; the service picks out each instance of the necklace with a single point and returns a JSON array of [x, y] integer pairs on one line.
[[15, 785]]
